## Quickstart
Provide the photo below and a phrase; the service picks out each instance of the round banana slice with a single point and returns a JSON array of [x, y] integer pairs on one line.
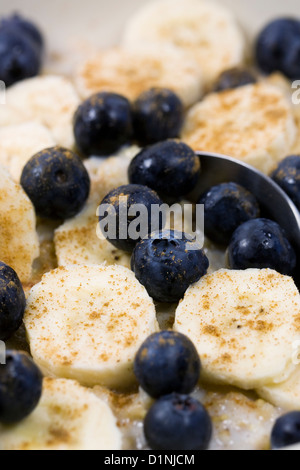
[[130, 72], [9, 116], [203, 30], [68, 417], [19, 241], [87, 323], [254, 124], [20, 142], [286, 395], [78, 241], [243, 324], [50, 100]]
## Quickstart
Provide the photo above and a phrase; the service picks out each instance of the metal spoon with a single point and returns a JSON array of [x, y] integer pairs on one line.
[[274, 202]]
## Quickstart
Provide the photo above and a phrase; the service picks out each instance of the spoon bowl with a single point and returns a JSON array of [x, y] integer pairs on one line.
[[275, 204]]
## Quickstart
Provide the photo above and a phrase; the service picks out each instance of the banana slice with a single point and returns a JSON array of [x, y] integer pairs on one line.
[[68, 417], [87, 323], [205, 31], [285, 395], [19, 143], [292, 94], [254, 124], [77, 240], [244, 324], [130, 72], [9, 116], [50, 100], [19, 241]]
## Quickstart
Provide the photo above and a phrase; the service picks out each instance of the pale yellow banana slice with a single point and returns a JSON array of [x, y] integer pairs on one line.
[[244, 325], [87, 323], [50, 100], [286, 394], [19, 241], [254, 124], [293, 96], [9, 116], [130, 72], [203, 30], [20, 142], [77, 241], [68, 417]]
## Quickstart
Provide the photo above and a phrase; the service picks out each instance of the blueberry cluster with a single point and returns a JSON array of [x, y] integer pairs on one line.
[[165, 262], [167, 366], [21, 49], [105, 122], [20, 379]]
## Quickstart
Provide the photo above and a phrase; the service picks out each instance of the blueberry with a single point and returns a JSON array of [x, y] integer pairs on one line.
[[178, 422], [287, 176], [167, 362], [167, 263], [234, 78], [277, 47], [20, 387], [123, 224], [103, 124], [57, 183], [171, 168], [227, 206], [158, 114], [261, 243], [20, 57], [286, 430], [28, 28], [12, 302]]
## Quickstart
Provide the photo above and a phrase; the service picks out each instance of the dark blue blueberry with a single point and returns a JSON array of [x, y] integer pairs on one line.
[[171, 168], [287, 176], [12, 302], [278, 47], [127, 215], [103, 124], [291, 63], [178, 422], [286, 430], [158, 114], [167, 362], [261, 243], [20, 57], [234, 78], [20, 387], [57, 183], [227, 206], [28, 28], [167, 263]]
